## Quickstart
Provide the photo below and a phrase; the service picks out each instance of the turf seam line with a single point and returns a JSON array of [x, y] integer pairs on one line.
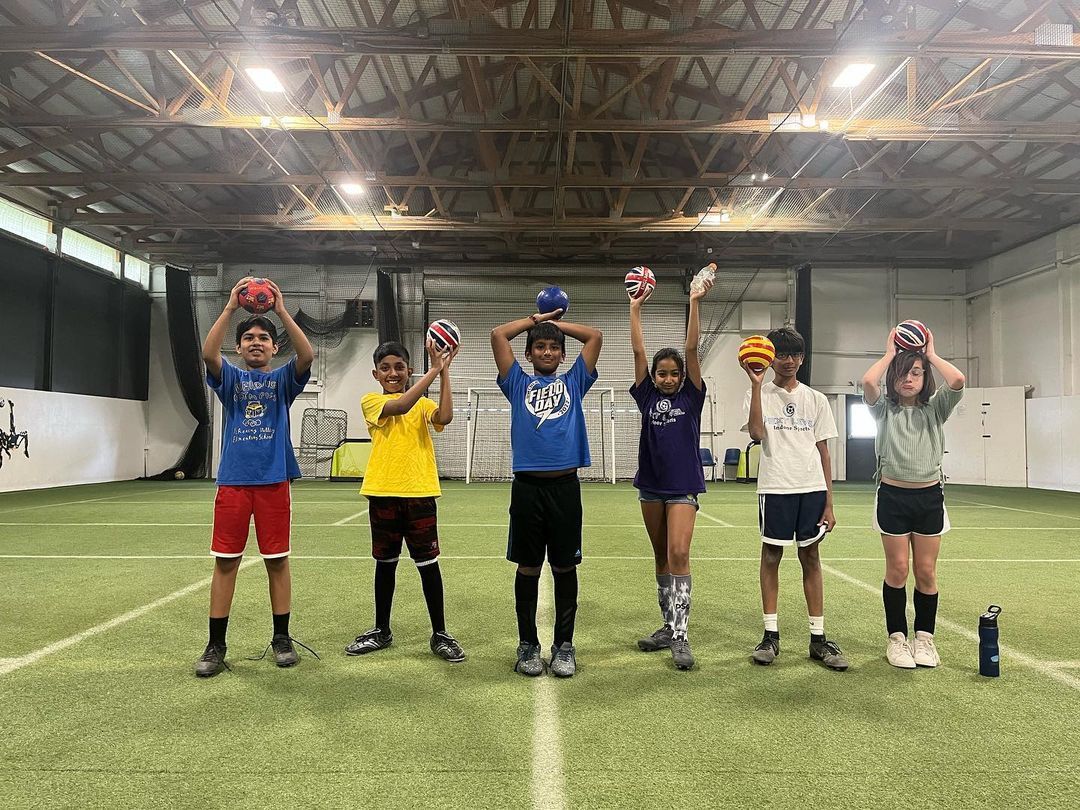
[[1017, 509], [11, 664], [1010, 653], [548, 783], [723, 523], [70, 503], [344, 521]]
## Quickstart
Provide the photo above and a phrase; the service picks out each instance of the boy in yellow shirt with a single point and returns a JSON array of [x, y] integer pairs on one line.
[[401, 485]]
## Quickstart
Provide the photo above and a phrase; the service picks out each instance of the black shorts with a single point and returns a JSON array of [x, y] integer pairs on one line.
[[413, 520], [791, 519], [900, 511], [545, 518]]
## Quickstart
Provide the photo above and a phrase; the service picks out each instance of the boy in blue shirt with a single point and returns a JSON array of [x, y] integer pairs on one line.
[[257, 465], [549, 443]]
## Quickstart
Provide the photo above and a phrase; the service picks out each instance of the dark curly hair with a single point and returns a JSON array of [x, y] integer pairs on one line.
[[545, 330]]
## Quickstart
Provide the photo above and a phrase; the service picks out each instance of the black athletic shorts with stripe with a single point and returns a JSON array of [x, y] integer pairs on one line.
[[545, 520]]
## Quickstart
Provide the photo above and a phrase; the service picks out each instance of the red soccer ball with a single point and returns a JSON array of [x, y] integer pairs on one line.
[[257, 296]]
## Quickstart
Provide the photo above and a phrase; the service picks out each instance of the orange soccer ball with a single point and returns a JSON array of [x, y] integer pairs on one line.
[[757, 352]]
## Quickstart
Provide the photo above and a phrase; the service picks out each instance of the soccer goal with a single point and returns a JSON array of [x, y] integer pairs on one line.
[[487, 456]]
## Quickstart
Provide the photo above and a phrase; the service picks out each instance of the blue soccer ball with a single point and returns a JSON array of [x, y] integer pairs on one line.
[[551, 299]]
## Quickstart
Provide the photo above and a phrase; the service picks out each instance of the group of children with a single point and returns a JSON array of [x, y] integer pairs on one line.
[[792, 422]]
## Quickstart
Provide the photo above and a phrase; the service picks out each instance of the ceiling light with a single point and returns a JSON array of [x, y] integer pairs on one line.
[[853, 74], [725, 216], [352, 189], [764, 176], [265, 80], [753, 178]]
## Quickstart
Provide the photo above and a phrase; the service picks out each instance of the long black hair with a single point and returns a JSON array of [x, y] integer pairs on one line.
[[668, 354]]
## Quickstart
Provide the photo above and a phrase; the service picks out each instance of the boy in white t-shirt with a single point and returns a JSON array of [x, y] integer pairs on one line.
[[793, 422]]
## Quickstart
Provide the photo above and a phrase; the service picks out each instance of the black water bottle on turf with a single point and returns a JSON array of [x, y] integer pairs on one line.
[[989, 656]]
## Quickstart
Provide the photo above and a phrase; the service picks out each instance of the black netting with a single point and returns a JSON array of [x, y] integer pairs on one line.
[[804, 318], [187, 360], [387, 315], [321, 431]]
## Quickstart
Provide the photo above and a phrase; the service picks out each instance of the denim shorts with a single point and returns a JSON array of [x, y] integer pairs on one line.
[[645, 496]]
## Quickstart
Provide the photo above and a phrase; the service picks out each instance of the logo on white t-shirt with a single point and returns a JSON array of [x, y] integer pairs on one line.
[[789, 409], [547, 401]]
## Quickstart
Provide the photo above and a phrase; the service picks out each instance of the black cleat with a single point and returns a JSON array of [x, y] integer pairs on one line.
[[447, 648], [765, 652], [374, 639], [212, 661]]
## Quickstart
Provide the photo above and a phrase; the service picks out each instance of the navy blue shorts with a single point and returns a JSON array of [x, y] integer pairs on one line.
[[791, 519]]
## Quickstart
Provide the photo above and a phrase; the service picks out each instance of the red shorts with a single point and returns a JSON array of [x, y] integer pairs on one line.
[[271, 504]]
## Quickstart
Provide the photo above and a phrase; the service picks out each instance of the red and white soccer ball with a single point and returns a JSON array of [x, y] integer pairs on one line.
[[911, 336], [640, 282], [444, 334]]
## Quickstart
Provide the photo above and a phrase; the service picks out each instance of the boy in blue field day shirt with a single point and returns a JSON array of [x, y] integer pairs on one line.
[[549, 442]]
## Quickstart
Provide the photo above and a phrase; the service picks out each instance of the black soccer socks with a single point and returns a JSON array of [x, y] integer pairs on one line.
[[281, 624], [925, 611], [895, 600], [431, 582], [385, 578], [217, 630], [566, 589], [526, 595]]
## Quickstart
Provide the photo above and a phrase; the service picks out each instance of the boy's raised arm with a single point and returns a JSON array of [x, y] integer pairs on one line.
[[592, 341], [211, 350]]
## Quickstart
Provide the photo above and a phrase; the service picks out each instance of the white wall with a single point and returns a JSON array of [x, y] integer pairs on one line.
[[1023, 313], [73, 439]]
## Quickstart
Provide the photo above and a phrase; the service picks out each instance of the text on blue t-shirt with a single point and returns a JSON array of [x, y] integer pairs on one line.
[[256, 447], [547, 424]]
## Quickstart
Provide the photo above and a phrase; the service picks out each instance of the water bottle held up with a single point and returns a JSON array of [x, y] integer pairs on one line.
[[706, 273], [989, 655]]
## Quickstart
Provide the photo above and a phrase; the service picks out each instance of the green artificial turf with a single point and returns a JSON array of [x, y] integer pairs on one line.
[[118, 720]]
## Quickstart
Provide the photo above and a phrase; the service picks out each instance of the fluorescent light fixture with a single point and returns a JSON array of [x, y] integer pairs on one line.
[[853, 74], [725, 217], [265, 80], [352, 189], [765, 176], [266, 122]]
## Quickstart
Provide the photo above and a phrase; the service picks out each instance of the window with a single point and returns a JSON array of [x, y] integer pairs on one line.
[[91, 251], [25, 223], [137, 270], [861, 424]]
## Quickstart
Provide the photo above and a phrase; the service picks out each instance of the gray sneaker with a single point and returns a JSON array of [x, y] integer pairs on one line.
[[765, 652], [681, 655], [212, 661], [284, 652], [829, 654], [660, 640], [374, 639], [529, 661], [563, 661]]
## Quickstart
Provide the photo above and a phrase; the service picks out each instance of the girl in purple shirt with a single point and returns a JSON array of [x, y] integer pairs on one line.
[[670, 396]]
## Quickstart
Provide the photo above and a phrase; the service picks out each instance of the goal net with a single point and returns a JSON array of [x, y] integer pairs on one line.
[[487, 451]]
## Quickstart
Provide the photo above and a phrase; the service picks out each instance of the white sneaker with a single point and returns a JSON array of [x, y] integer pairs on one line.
[[899, 652], [926, 654]]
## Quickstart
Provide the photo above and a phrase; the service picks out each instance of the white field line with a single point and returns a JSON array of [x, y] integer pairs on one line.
[[1015, 509], [548, 784], [11, 664], [73, 503], [1064, 664], [615, 558], [344, 521], [442, 525], [716, 520], [1010, 653]]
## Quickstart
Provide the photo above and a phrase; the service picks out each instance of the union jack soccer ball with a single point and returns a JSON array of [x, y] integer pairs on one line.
[[444, 334], [640, 282], [911, 336]]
